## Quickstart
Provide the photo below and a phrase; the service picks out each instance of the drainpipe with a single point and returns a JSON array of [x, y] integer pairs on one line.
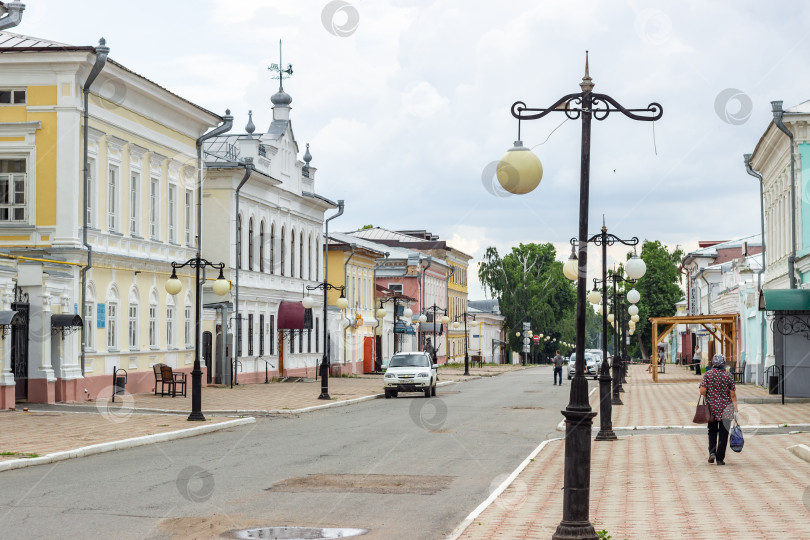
[[227, 123], [447, 307], [346, 283], [325, 360], [777, 119], [248, 169], [12, 16], [761, 271], [101, 58]]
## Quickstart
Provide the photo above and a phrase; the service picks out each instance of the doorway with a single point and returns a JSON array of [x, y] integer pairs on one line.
[[19, 347], [206, 352]]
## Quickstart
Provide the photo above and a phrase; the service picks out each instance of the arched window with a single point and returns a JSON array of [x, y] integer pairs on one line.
[[292, 253], [134, 321], [309, 258], [283, 247], [239, 241], [301, 255], [153, 319], [112, 319], [90, 317], [250, 244], [272, 248], [261, 246]]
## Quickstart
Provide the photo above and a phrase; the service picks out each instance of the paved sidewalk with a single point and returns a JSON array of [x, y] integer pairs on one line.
[[661, 485], [673, 404]]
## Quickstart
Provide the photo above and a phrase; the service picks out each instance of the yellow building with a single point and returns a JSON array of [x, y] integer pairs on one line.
[[352, 332], [137, 217], [457, 303]]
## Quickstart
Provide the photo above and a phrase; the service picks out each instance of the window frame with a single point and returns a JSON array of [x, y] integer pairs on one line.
[[28, 188], [154, 208], [113, 197], [134, 203]]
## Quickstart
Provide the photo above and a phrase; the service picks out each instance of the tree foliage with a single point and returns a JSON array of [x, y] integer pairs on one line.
[[530, 286], [660, 291]]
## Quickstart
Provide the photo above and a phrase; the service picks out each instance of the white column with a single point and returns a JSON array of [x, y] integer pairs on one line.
[[6, 376]]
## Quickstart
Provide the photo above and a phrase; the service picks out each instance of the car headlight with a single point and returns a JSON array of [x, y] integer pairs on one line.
[[390, 376], [422, 375]]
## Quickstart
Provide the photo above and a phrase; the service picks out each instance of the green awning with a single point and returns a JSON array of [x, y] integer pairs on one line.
[[787, 299]]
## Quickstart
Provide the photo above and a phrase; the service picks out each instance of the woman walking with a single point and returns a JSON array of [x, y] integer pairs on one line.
[[718, 388]]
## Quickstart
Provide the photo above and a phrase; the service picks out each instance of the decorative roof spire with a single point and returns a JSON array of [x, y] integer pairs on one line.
[[281, 98], [307, 157], [250, 127], [586, 84]]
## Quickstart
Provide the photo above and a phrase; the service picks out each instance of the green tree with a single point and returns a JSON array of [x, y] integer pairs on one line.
[[530, 286], [660, 291]]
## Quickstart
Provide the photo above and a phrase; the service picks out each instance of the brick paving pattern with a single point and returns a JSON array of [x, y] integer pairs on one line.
[[673, 404], [660, 486], [43, 433]]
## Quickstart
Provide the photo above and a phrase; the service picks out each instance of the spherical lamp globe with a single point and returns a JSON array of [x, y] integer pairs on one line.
[[456, 325], [633, 310], [407, 313], [173, 285], [519, 171], [610, 318], [308, 302], [635, 267], [422, 318], [342, 303], [634, 318], [445, 319], [594, 297], [380, 313], [571, 268], [633, 296]]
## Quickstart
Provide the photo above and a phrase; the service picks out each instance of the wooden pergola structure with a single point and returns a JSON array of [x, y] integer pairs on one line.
[[722, 327]]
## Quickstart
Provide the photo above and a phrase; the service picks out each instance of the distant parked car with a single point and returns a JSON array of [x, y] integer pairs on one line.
[[592, 363]]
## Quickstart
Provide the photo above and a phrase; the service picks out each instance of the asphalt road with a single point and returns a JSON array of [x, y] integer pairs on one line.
[[408, 467]]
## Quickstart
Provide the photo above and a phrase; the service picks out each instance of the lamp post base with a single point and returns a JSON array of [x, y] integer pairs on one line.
[[574, 529], [324, 396], [196, 416], [605, 411]]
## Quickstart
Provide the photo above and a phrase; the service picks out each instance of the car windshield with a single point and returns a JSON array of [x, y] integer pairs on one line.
[[409, 360]]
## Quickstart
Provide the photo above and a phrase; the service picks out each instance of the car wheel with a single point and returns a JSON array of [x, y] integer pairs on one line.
[[569, 376], [387, 394], [428, 391], [394, 393], [434, 390]]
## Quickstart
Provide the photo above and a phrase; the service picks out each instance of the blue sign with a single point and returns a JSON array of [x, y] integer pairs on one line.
[[75, 308], [100, 316]]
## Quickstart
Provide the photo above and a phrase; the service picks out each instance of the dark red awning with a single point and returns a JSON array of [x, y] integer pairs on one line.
[[291, 316]]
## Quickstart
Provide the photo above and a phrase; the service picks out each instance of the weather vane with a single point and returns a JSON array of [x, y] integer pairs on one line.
[[282, 73]]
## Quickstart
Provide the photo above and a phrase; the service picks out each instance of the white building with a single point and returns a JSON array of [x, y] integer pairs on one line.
[[271, 236]]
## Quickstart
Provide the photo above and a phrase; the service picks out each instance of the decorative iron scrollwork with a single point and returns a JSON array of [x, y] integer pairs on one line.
[[789, 324], [20, 295]]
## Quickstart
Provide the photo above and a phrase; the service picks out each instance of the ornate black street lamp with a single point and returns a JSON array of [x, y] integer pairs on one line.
[[341, 304], [637, 269], [519, 171], [221, 288], [445, 319], [456, 325], [396, 298]]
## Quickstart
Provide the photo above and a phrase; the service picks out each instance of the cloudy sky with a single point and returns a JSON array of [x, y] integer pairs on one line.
[[406, 104]]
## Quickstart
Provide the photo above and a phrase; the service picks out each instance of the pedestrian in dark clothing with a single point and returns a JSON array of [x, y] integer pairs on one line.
[[558, 364], [718, 387]]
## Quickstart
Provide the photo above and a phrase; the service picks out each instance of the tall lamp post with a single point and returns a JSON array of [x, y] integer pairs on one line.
[[341, 304], [221, 288], [605, 402], [519, 172], [396, 299], [445, 319], [457, 325]]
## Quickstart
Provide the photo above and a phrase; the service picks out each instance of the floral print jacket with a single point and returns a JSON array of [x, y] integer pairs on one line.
[[719, 384]]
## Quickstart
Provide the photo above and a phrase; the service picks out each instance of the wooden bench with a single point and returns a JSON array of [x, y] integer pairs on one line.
[[476, 359], [169, 381], [739, 373]]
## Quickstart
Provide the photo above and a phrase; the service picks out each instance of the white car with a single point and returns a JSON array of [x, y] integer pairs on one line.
[[411, 372], [592, 364]]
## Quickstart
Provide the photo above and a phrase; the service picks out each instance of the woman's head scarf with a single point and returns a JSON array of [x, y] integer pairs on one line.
[[718, 361]]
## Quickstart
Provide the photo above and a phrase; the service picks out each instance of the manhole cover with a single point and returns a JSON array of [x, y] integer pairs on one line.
[[392, 484], [296, 533]]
